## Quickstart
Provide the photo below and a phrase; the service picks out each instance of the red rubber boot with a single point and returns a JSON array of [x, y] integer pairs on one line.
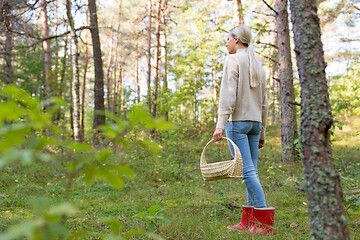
[[264, 221], [247, 219]]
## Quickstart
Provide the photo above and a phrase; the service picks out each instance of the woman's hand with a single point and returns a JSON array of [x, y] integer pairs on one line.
[[261, 143], [217, 136]]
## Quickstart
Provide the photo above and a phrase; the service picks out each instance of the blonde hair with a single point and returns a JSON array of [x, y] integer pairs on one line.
[[243, 34]]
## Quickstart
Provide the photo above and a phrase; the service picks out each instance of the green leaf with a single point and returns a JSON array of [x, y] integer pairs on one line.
[[22, 231], [115, 180], [153, 209], [90, 173], [104, 155], [80, 147], [123, 170], [65, 209]]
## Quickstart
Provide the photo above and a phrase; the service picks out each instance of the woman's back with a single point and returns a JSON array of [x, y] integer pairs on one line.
[[237, 96]]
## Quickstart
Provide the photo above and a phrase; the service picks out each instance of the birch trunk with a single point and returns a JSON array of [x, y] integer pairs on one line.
[[76, 74]]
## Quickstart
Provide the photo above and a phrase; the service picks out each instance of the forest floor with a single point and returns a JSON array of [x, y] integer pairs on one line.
[[169, 194]]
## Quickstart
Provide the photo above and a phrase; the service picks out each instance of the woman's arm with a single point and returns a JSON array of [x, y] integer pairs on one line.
[[228, 91]]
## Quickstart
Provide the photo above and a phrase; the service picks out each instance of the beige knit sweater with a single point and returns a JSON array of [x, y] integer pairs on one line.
[[238, 101]]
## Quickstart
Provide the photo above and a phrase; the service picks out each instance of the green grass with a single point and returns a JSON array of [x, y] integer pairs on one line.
[[196, 209]]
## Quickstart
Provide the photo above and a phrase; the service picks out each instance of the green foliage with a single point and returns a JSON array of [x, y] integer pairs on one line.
[[134, 131], [22, 140], [48, 224], [196, 62], [336, 125], [20, 126], [29, 70], [344, 93], [153, 214]]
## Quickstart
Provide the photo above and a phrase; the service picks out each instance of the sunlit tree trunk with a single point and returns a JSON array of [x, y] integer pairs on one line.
[[46, 47], [323, 188], [71, 86], [214, 92], [117, 84], [157, 60], [238, 13], [56, 70], [274, 87], [8, 45], [64, 67], [76, 74], [287, 97], [149, 55], [166, 69], [108, 72], [86, 63], [99, 115], [122, 89], [117, 62], [137, 89]]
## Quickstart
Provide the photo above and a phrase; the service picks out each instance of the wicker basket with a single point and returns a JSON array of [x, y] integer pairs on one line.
[[224, 169]]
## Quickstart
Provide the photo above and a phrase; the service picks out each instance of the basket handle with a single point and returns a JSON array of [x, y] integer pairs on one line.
[[236, 149]]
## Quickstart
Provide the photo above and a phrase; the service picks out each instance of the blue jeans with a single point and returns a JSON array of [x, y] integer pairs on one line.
[[246, 136]]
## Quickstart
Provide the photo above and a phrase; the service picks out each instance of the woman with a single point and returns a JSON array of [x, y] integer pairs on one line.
[[242, 113]]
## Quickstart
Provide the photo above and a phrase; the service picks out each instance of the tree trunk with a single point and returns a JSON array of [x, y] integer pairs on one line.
[[114, 105], [63, 69], [166, 69], [324, 194], [122, 86], [214, 103], [149, 56], [86, 62], [108, 72], [238, 13], [274, 87], [157, 59], [117, 83], [56, 70], [8, 46], [99, 110], [76, 74], [287, 97], [71, 92], [64, 65], [46, 47], [137, 79]]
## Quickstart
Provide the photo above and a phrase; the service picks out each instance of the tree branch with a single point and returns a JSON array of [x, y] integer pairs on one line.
[[267, 44], [350, 39], [268, 58], [270, 7], [40, 40], [265, 14], [355, 7], [294, 103], [276, 79]]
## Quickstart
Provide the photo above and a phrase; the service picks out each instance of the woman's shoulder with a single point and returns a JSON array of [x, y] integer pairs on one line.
[[231, 59]]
